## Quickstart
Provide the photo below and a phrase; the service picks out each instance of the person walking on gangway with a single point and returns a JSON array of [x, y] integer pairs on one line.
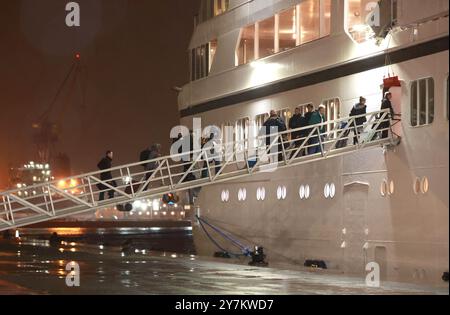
[[150, 154], [105, 164], [358, 125], [385, 125], [271, 127]]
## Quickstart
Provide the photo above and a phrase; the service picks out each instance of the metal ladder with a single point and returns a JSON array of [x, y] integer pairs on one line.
[[223, 162]]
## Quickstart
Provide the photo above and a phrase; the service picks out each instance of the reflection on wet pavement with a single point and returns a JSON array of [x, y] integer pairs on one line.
[[104, 269]]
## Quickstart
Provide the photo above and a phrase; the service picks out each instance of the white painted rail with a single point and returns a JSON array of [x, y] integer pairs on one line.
[[48, 201]]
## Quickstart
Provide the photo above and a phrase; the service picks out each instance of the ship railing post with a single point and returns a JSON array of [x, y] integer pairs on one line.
[[149, 180], [265, 152], [52, 205], [91, 192], [340, 136], [190, 168], [11, 213], [304, 144], [169, 174], [5, 206], [45, 199], [131, 182], [283, 148]]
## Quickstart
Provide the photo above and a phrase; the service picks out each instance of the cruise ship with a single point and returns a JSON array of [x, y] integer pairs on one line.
[[387, 205]]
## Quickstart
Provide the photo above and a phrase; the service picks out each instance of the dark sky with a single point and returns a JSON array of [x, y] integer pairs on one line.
[[133, 53]]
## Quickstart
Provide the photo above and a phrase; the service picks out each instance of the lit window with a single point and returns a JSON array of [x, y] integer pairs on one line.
[[357, 12], [384, 188], [290, 28], [391, 187], [225, 196], [425, 185], [241, 134], [417, 186], [285, 115], [202, 59], [221, 6], [242, 194], [307, 192], [261, 194], [326, 191], [309, 21], [281, 193], [332, 190], [266, 31], [422, 102], [333, 112], [288, 31], [246, 49], [301, 192]]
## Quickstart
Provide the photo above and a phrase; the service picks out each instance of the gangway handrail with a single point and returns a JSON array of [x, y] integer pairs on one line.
[[231, 160]]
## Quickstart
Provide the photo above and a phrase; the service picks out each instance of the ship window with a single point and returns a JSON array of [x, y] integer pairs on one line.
[[384, 188], [325, 26], [287, 29], [304, 108], [309, 21], [297, 25], [422, 102], [212, 53], [221, 6], [246, 50], [416, 186], [425, 185], [201, 60], [285, 115], [241, 134], [357, 12], [333, 112], [266, 35]]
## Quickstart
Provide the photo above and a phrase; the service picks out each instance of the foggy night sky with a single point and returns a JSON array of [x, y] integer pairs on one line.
[[133, 52]]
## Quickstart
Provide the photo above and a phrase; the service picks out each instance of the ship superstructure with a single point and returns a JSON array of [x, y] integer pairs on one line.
[[388, 206]]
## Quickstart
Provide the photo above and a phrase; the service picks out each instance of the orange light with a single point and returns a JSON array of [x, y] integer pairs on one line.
[[61, 184], [73, 183]]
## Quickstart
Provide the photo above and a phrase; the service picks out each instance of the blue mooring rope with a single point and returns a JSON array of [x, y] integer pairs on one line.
[[245, 250]]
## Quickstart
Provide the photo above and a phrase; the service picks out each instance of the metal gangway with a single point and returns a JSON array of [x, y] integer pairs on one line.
[[221, 163]]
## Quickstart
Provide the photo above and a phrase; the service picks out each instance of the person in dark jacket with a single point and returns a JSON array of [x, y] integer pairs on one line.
[[272, 126], [310, 109], [358, 126], [387, 104], [318, 117], [152, 153], [106, 164]]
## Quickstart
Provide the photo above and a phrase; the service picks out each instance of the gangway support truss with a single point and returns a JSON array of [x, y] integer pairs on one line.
[[48, 201]]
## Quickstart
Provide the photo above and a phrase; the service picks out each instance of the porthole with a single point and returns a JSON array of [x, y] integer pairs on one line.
[[307, 192], [263, 194], [425, 185], [391, 187], [384, 188], [417, 186], [332, 191], [225, 196], [326, 191], [301, 192], [279, 193], [242, 194]]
